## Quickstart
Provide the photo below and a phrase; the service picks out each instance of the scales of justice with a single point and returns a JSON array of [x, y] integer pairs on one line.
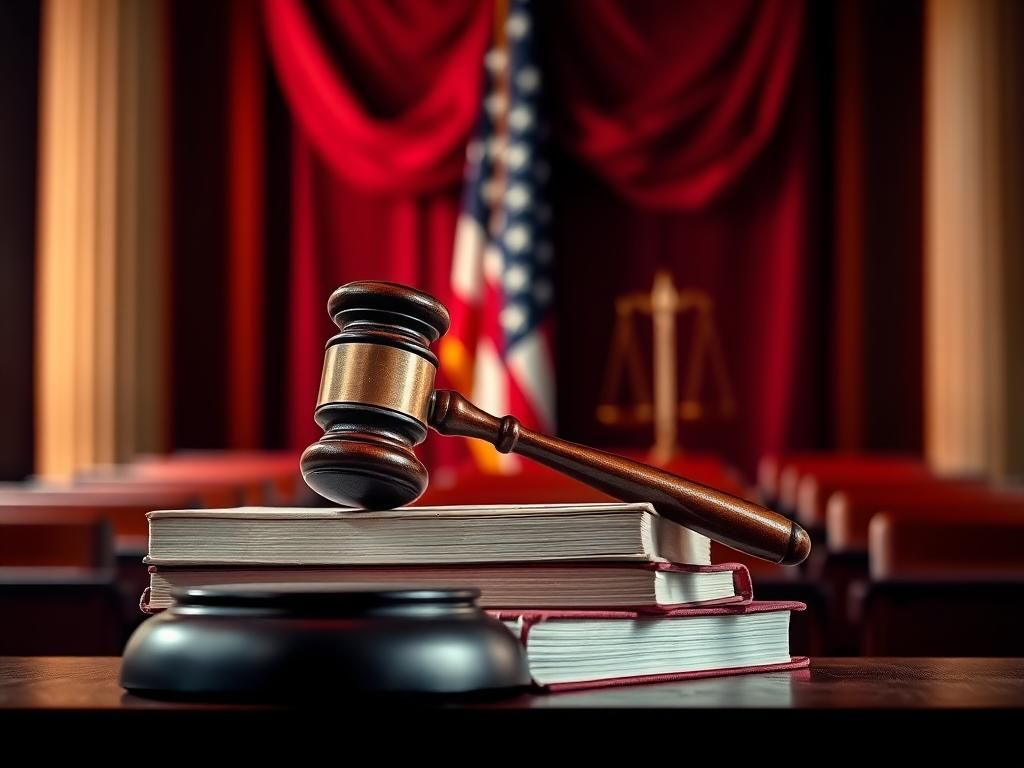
[[660, 404]]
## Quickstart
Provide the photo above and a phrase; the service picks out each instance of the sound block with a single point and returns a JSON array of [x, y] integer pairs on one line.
[[301, 642]]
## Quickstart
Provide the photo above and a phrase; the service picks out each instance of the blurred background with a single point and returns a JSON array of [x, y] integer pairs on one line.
[[775, 246]]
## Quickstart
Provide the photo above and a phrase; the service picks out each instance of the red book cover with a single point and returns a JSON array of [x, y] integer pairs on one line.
[[529, 619]]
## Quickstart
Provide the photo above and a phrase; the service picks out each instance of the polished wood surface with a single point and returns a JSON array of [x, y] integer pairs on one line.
[[91, 683], [864, 711], [735, 522]]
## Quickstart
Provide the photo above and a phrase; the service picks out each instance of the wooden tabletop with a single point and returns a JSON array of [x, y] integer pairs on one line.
[[839, 705], [855, 707], [91, 683]]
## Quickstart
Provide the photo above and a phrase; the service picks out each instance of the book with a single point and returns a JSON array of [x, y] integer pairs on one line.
[[588, 649], [421, 535], [651, 587]]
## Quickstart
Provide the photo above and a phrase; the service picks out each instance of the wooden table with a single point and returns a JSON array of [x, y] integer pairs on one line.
[[833, 695]]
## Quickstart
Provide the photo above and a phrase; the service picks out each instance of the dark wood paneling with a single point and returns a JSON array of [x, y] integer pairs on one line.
[[199, 145], [19, 86]]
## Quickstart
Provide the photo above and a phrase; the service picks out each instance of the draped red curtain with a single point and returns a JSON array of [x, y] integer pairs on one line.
[[685, 129], [387, 93], [383, 97], [672, 102]]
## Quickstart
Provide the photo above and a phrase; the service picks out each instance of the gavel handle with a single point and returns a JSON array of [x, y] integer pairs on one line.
[[735, 522]]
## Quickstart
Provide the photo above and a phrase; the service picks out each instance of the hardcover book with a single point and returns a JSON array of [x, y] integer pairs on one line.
[[421, 536], [588, 649], [653, 587]]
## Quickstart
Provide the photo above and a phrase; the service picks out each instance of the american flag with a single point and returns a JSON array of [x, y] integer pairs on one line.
[[500, 346]]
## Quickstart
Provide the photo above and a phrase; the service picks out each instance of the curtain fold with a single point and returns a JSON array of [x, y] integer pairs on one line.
[[671, 102], [387, 93]]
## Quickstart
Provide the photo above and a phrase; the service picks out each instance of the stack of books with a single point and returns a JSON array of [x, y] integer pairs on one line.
[[599, 594]]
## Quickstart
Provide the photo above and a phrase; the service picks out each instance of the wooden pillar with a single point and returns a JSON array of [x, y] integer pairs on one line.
[[100, 288], [973, 237]]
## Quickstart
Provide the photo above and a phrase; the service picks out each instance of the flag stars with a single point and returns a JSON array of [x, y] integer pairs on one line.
[[517, 277], [517, 26], [517, 157], [513, 318], [507, 175], [517, 197], [517, 238], [520, 118]]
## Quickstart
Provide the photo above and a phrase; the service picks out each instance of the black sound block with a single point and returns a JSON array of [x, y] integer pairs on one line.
[[303, 642]]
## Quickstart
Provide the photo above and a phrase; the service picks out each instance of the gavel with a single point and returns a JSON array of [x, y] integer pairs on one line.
[[377, 399]]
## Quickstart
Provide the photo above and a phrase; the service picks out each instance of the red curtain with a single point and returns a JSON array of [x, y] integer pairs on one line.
[[383, 97], [671, 102], [387, 93], [687, 143]]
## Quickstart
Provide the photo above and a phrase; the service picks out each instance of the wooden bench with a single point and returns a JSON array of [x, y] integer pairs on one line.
[[123, 513], [849, 512], [210, 493], [60, 541], [60, 614], [58, 594], [815, 487], [843, 565], [945, 583], [779, 476], [125, 509], [277, 472]]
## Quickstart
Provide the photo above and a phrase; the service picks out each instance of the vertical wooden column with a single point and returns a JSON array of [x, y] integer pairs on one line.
[[973, 236], [100, 306], [147, 428], [1011, 65], [877, 324]]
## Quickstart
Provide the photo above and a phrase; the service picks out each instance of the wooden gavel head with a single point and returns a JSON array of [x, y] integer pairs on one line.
[[377, 399], [375, 395]]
